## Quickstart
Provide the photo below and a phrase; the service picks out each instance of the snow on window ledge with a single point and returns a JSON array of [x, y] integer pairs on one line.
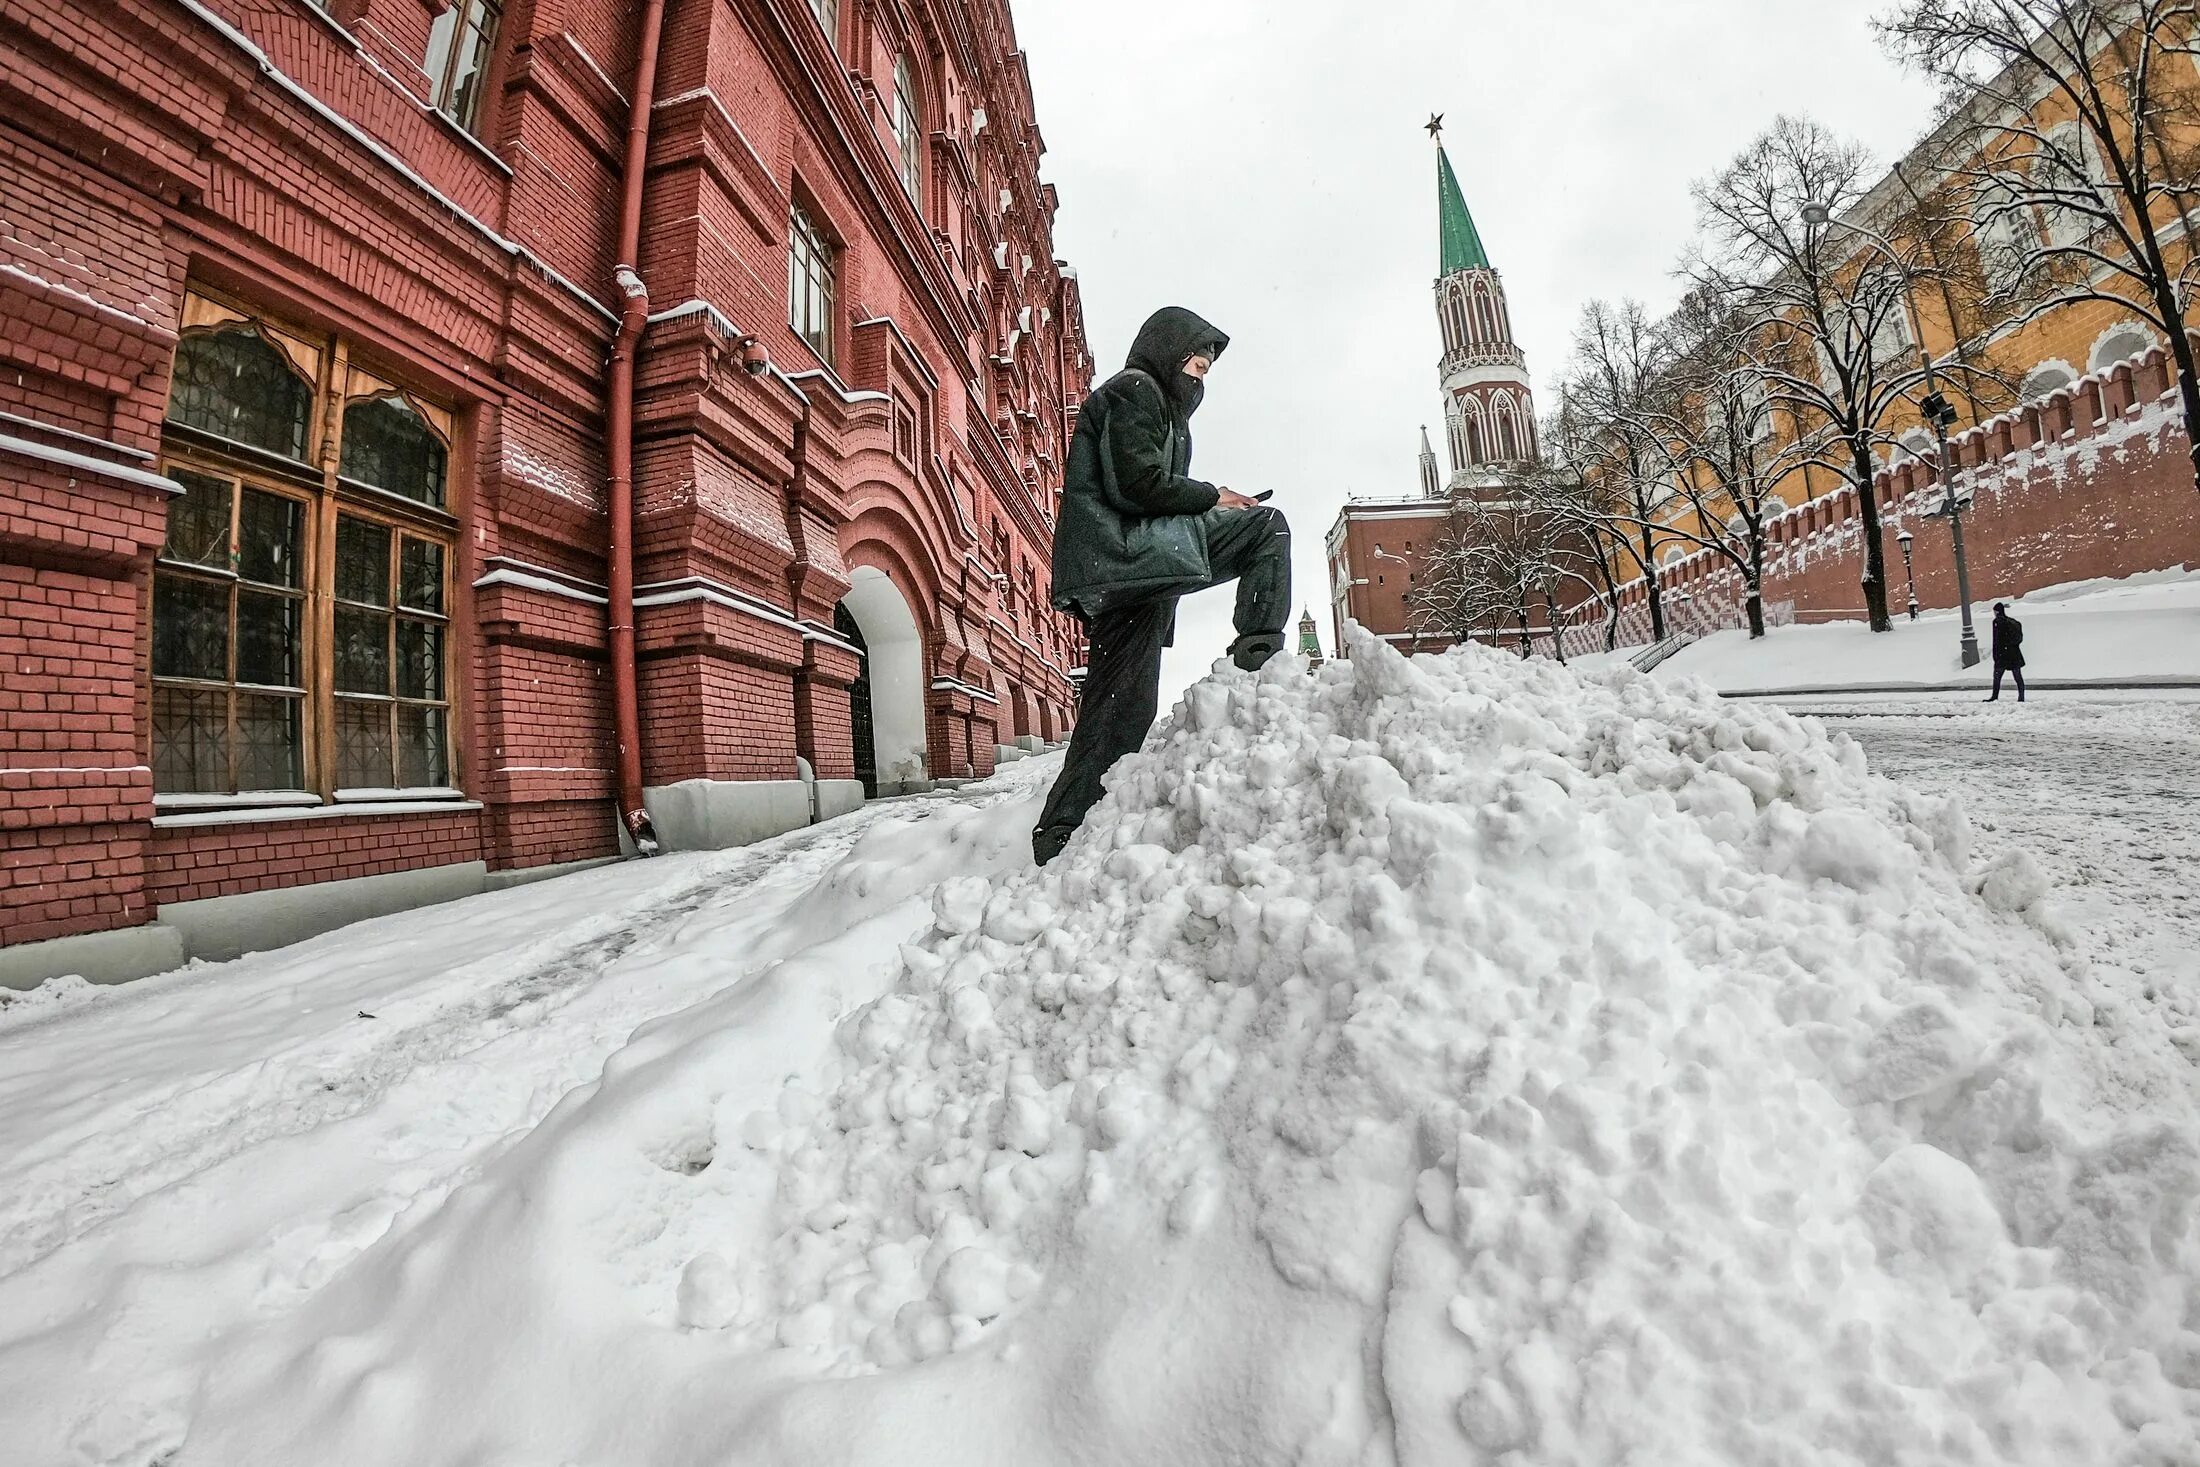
[[250, 799], [389, 796]]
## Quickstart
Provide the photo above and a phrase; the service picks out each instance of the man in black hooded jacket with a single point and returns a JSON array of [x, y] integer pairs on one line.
[[1135, 534]]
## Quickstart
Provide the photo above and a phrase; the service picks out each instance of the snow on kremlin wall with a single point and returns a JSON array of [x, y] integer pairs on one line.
[[2095, 480]]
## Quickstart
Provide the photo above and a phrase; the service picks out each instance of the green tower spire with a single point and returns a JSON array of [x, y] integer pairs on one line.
[[1462, 245]]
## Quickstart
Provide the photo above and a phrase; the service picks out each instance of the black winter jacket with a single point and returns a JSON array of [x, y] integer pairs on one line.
[[1129, 464]]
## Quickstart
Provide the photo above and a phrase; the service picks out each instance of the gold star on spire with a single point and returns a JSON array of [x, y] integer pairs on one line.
[[1436, 126]]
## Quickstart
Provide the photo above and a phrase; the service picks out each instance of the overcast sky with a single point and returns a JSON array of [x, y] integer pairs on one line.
[[1262, 161]]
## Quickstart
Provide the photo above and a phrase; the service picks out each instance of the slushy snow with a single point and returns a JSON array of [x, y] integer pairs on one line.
[[1461, 1060]]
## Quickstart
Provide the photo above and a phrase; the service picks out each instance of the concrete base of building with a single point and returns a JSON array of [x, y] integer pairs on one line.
[[887, 788], [836, 797], [1030, 743], [693, 815], [1008, 754], [101, 957], [528, 875], [712, 814], [254, 921]]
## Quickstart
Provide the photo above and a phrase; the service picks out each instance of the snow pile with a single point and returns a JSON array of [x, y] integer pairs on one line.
[[1427, 1062]]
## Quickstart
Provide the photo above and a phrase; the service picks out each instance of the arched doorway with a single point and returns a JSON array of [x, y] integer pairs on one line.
[[892, 682], [859, 704]]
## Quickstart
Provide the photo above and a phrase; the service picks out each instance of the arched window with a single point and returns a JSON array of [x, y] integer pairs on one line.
[[232, 383], [1485, 319], [254, 690], [2006, 235], [1477, 435], [908, 130], [389, 445], [2120, 344], [1672, 555], [2045, 379], [1506, 436], [2067, 162]]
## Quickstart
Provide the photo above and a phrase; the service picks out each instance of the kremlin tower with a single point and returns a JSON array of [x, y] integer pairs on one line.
[[1489, 411], [1378, 548]]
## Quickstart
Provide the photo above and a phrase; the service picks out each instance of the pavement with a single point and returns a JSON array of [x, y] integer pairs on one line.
[[2102, 788], [1973, 687]]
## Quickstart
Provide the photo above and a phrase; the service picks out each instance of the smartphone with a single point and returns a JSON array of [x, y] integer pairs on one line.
[[1264, 496]]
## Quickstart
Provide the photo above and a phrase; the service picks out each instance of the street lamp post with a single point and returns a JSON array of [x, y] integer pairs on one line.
[[1903, 537], [1935, 408]]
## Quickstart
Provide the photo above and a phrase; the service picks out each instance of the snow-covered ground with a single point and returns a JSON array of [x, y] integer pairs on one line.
[[2104, 788], [1455, 1061], [2145, 629]]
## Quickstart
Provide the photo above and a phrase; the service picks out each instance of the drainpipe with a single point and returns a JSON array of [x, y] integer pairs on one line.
[[798, 473], [619, 440], [798, 538]]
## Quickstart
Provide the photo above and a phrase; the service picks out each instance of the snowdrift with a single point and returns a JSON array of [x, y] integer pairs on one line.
[[1439, 1062]]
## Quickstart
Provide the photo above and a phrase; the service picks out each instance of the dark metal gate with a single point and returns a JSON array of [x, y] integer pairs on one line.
[[859, 704]]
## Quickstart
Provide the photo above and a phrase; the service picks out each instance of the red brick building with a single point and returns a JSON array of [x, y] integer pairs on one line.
[[315, 439]]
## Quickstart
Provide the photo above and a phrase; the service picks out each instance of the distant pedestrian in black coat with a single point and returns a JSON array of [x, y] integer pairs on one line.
[[2008, 649]]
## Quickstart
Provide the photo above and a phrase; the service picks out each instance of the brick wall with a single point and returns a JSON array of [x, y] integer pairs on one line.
[[190, 862]]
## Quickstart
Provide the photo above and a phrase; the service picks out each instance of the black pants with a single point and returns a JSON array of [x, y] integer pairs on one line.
[[2015, 672], [1122, 689]]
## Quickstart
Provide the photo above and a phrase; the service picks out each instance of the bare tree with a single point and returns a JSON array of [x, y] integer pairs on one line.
[[1616, 386], [1474, 579], [2084, 113], [1500, 559], [1718, 431], [1831, 304], [1589, 511]]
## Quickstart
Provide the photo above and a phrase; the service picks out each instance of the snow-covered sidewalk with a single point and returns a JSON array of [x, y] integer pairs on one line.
[[2129, 633], [186, 1155], [1455, 1061]]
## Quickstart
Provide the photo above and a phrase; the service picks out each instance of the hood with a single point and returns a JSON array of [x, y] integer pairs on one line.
[[1170, 335]]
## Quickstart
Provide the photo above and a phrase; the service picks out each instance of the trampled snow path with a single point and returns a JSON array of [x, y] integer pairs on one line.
[[2103, 788], [182, 1155]]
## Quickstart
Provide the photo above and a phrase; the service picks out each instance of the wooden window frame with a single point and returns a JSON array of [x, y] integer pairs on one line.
[[908, 128], [324, 497], [400, 526], [466, 17], [231, 687], [813, 271]]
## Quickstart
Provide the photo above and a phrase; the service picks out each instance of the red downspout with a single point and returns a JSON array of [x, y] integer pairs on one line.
[[619, 439], [798, 538]]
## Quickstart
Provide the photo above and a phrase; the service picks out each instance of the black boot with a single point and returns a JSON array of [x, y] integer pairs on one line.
[[1252, 650], [1047, 841]]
